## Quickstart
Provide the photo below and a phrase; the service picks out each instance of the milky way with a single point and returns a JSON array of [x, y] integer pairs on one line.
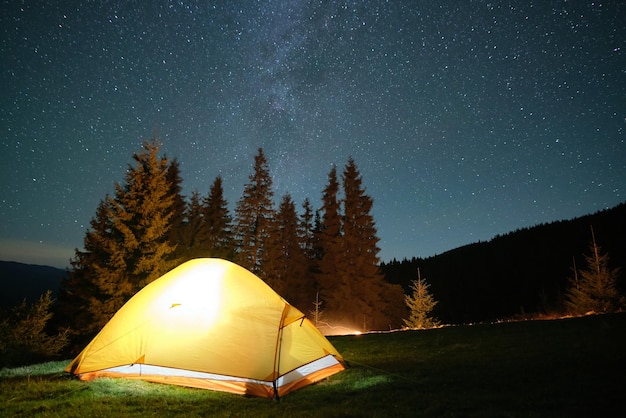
[[466, 119]]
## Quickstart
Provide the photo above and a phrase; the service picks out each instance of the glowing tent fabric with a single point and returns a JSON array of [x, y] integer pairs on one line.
[[210, 324]]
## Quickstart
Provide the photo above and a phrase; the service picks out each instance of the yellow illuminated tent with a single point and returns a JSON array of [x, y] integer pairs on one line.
[[210, 324]]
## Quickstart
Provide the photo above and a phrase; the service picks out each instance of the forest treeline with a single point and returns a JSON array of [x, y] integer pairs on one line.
[[322, 257], [522, 273]]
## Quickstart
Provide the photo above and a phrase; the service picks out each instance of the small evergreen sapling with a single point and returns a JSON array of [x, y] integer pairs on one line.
[[317, 313], [594, 289], [420, 303], [23, 336]]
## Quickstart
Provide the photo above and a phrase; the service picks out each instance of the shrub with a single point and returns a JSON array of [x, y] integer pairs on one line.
[[23, 336]]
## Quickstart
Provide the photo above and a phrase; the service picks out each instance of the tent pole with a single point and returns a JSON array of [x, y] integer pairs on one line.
[[276, 397], [279, 342]]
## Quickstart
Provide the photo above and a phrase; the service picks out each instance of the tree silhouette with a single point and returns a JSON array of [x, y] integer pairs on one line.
[[178, 213], [364, 281], [218, 222], [308, 237], [348, 277], [329, 239], [285, 264], [80, 285], [191, 234], [306, 230], [253, 217], [206, 230]]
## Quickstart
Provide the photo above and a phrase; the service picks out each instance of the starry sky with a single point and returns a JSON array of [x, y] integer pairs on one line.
[[466, 119]]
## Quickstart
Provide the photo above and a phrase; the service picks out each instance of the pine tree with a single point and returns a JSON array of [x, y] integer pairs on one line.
[[143, 211], [285, 264], [218, 222], [191, 236], [329, 239], [420, 303], [363, 277], [79, 286], [348, 276], [594, 289], [178, 218], [97, 284], [253, 217], [307, 237], [306, 230], [128, 245]]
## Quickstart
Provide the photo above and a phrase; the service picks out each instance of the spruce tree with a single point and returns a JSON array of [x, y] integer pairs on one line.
[[128, 245], [253, 217], [143, 211], [285, 264], [329, 278], [218, 222], [178, 219], [191, 236], [420, 304], [363, 278], [307, 237], [349, 279], [80, 284], [594, 288], [98, 284], [306, 230]]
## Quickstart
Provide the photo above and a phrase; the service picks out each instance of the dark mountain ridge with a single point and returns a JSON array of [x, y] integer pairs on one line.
[[20, 281], [523, 272]]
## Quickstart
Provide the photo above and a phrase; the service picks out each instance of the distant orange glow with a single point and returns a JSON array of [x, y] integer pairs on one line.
[[328, 329]]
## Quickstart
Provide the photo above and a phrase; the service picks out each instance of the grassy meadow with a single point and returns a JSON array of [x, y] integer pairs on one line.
[[554, 368]]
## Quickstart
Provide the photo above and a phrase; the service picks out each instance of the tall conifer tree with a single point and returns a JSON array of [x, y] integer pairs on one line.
[[330, 276], [306, 230], [364, 280], [191, 233], [307, 237], [350, 280], [206, 228], [80, 285], [218, 222], [128, 245], [144, 209], [285, 264], [253, 217], [178, 219]]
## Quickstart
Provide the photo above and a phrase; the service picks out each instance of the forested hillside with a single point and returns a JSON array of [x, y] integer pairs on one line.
[[522, 272], [28, 282]]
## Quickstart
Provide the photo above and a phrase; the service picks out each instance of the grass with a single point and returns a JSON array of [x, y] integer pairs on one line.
[[558, 368]]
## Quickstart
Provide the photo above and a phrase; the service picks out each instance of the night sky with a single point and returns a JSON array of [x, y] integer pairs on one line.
[[466, 119]]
